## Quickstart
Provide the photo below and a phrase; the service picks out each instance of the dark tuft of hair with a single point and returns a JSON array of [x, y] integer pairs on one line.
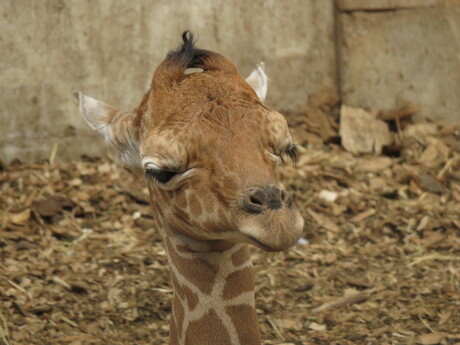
[[187, 55]]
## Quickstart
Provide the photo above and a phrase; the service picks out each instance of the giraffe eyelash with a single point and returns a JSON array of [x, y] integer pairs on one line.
[[162, 176], [290, 153]]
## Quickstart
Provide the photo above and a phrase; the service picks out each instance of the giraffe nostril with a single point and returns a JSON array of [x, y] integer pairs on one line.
[[287, 198], [283, 195], [255, 201], [270, 197]]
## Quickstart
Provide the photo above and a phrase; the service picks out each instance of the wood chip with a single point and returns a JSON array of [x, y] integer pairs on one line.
[[374, 164], [358, 297], [324, 221], [326, 99], [317, 327], [378, 228], [362, 216], [20, 218], [431, 338], [401, 112], [434, 256], [51, 206], [421, 130], [318, 122]]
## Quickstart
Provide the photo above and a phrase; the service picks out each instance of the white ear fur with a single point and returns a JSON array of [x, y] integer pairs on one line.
[[114, 126], [95, 113], [258, 81]]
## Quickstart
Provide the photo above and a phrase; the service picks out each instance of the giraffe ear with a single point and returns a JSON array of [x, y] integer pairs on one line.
[[96, 113], [258, 81], [116, 127]]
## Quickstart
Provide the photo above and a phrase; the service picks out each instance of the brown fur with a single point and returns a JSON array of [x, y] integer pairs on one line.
[[211, 134], [199, 271], [244, 317], [238, 282], [207, 330]]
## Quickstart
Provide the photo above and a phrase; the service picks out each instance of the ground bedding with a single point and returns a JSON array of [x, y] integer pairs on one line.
[[81, 264]]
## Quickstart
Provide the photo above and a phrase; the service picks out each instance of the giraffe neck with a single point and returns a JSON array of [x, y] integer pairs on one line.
[[213, 300]]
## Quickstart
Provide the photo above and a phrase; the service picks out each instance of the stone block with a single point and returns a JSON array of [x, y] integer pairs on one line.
[[392, 58], [109, 49], [397, 57]]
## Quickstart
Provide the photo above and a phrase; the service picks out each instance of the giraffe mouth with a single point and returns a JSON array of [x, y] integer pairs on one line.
[[261, 245]]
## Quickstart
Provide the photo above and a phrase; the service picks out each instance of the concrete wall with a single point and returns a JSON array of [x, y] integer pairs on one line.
[[388, 52], [410, 55], [109, 49]]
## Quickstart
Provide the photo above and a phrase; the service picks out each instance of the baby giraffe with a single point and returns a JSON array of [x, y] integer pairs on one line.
[[208, 148]]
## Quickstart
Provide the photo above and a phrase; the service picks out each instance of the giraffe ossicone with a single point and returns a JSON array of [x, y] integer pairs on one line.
[[208, 148]]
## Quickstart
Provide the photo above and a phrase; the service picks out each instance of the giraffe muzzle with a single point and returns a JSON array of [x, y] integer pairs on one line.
[[266, 198]]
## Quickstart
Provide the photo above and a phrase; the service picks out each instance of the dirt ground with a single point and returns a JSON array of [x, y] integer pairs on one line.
[[81, 264]]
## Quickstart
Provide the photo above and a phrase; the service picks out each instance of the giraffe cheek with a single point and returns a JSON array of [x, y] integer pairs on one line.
[[196, 209], [180, 200]]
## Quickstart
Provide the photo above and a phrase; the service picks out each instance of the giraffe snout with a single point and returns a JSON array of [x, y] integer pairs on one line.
[[269, 197]]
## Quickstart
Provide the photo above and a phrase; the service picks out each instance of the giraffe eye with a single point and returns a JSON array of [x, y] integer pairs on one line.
[[287, 154], [291, 153], [161, 176]]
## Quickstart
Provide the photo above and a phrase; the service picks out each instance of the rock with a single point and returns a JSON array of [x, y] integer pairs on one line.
[[430, 184], [328, 195], [303, 241], [361, 132]]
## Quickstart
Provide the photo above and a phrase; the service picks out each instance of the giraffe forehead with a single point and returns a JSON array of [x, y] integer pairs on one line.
[[219, 116], [165, 150], [215, 126]]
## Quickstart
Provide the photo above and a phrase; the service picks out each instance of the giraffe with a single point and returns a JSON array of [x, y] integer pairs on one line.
[[208, 148]]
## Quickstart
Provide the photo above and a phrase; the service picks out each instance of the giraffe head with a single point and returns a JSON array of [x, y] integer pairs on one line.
[[208, 148]]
